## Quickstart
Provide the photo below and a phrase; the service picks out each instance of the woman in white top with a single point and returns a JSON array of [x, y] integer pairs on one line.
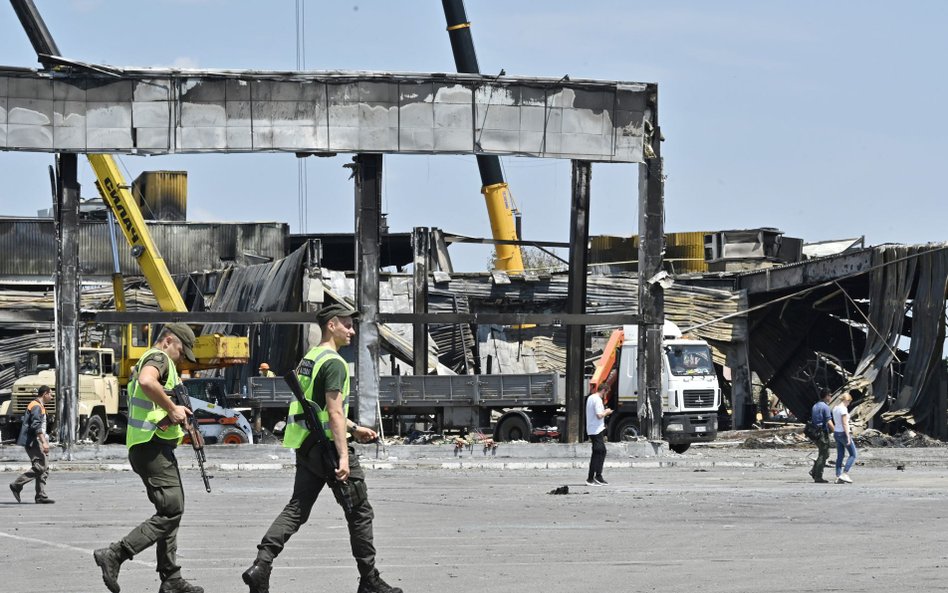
[[844, 439]]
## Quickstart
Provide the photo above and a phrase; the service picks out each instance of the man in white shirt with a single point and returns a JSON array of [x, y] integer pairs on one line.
[[596, 412]]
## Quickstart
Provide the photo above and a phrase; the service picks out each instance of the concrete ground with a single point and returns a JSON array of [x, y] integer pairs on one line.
[[714, 519]]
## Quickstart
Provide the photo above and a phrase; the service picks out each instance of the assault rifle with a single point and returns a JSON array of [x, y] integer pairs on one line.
[[179, 395], [327, 448]]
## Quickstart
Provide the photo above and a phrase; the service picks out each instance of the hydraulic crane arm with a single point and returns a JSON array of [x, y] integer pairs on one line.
[[605, 372], [118, 197], [495, 189]]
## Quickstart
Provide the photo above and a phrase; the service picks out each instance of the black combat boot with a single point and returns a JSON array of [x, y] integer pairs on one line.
[[179, 585], [373, 583], [110, 561], [257, 577]]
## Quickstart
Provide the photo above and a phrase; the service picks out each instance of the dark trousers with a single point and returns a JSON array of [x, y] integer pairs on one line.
[[155, 463], [39, 470], [311, 476], [823, 452], [598, 457]]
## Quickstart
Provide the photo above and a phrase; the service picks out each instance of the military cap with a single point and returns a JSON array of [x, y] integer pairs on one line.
[[326, 313], [186, 335]]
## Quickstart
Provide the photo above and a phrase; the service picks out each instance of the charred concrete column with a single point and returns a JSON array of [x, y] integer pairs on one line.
[[368, 205], [741, 390], [67, 301], [576, 299], [651, 294], [421, 244]]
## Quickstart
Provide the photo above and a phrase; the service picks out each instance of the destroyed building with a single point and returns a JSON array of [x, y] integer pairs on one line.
[[783, 317]]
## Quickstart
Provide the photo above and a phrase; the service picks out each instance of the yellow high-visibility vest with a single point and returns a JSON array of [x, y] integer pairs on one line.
[[296, 431]]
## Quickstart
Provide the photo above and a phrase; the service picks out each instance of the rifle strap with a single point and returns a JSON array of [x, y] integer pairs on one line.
[[311, 440]]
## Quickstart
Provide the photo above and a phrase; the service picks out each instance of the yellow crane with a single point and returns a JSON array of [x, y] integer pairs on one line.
[[500, 208], [211, 351]]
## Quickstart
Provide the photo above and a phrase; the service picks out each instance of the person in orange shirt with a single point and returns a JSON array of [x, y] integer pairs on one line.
[[33, 437]]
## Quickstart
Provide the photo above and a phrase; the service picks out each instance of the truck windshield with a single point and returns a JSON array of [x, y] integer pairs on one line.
[[41, 361], [89, 363], [694, 359]]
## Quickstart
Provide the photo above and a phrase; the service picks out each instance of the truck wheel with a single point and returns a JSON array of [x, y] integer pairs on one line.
[[627, 429], [679, 447], [96, 431], [232, 436], [513, 428]]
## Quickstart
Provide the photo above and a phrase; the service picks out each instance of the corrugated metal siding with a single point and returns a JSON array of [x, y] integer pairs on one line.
[[162, 195], [29, 247], [684, 253]]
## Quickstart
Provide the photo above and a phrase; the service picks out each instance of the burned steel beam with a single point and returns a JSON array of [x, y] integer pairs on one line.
[[282, 318], [576, 299], [154, 111], [421, 242], [462, 239], [806, 273]]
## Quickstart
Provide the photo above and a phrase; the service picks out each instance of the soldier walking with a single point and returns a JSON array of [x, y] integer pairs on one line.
[[151, 454], [324, 377]]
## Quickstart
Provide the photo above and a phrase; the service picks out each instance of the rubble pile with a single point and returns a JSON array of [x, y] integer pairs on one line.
[[866, 438], [907, 438], [777, 441]]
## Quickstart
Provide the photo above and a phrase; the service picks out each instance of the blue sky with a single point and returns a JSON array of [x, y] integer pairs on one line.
[[824, 119]]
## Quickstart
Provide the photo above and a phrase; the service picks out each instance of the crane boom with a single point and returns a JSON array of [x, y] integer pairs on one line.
[[496, 192], [118, 197]]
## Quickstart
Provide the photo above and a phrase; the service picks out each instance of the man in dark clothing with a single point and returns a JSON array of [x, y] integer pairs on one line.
[[822, 418], [33, 437], [324, 377], [154, 430]]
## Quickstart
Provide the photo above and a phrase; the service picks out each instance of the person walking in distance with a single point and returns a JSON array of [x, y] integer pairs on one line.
[[596, 413], [33, 437], [822, 418], [151, 454], [324, 377], [844, 439]]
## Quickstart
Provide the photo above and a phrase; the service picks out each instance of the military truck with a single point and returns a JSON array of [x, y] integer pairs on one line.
[[100, 397]]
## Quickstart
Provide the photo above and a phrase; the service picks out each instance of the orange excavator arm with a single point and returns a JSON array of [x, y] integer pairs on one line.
[[606, 369]]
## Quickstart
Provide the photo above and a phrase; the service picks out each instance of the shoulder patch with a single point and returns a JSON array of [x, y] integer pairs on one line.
[[305, 368]]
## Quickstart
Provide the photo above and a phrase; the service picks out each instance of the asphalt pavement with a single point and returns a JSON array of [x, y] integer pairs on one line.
[[716, 519]]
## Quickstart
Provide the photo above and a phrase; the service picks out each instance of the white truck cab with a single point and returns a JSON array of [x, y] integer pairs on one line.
[[690, 391]]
